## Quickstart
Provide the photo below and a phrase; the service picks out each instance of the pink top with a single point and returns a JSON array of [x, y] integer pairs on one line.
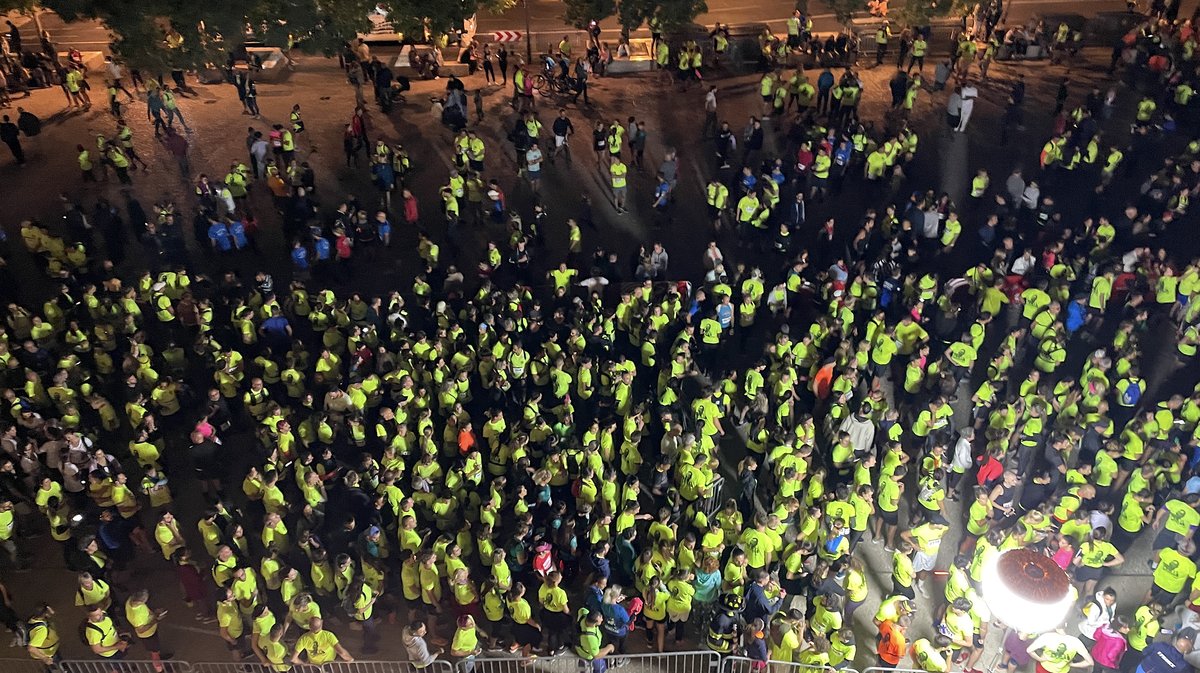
[[205, 428], [1063, 557], [1109, 648]]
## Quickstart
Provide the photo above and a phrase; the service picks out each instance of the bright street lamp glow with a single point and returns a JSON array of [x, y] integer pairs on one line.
[[1027, 591]]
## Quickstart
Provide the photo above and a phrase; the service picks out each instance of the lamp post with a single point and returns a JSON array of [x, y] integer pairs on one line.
[[528, 37]]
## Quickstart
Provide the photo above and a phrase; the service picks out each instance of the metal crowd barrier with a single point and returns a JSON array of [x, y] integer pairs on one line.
[[747, 665], [438, 666], [120, 666], [699, 661], [711, 504], [564, 663]]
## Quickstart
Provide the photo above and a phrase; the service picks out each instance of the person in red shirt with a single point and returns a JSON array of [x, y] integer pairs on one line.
[[466, 439]]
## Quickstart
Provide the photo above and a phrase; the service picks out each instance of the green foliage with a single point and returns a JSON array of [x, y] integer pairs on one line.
[[845, 10], [632, 14], [580, 12], [208, 28], [921, 12], [17, 5]]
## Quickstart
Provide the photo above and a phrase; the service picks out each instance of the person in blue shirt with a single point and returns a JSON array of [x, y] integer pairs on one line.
[[299, 256], [749, 181], [238, 231], [218, 235], [616, 618], [1167, 657], [662, 200], [824, 87], [598, 559], [277, 331], [777, 173], [385, 179], [725, 313], [1076, 314], [322, 248], [383, 227]]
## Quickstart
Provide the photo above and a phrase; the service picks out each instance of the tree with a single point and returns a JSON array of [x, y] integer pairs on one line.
[[192, 33], [845, 10], [581, 12], [631, 14]]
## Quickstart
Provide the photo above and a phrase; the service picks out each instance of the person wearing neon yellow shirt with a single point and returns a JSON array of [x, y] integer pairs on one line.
[[932, 656], [1175, 568], [1059, 652], [319, 646], [1177, 519], [1095, 554], [144, 622], [362, 598], [927, 538], [902, 570]]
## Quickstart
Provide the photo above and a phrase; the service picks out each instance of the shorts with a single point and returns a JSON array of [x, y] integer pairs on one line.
[[768, 99], [1127, 464], [559, 141], [1085, 573], [1162, 596], [923, 562], [713, 212], [152, 643], [534, 175], [1164, 539], [619, 191], [676, 616], [476, 165], [526, 634], [890, 518], [820, 183], [238, 645]]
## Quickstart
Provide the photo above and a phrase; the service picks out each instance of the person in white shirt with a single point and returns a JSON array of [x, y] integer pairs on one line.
[[969, 94], [1098, 612], [116, 73]]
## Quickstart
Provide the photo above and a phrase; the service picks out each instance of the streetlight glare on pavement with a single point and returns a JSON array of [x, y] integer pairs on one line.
[[1027, 591]]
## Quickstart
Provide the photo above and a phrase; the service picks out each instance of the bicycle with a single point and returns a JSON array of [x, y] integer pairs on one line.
[[550, 86]]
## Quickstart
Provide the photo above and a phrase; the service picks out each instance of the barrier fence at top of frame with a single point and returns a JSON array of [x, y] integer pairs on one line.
[[698, 661], [735, 664], [100, 665]]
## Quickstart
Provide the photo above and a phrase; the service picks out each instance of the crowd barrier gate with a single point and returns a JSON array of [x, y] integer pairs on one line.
[[99, 665], [692, 661], [734, 664]]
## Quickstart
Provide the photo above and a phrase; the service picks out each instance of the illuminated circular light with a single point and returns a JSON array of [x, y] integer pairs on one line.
[[1027, 591]]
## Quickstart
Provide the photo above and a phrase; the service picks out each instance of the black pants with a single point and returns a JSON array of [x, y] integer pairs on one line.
[[18, 152]]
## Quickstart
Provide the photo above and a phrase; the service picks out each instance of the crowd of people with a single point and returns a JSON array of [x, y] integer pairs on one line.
[[505, 464]]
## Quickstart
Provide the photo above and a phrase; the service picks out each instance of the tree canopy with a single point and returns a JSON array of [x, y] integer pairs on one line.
[[669, 14], [188, 33]]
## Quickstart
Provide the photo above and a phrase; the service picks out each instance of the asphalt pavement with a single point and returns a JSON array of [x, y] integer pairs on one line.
[[673, 120]]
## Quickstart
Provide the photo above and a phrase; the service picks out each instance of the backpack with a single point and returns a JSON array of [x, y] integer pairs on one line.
[[1132, 394], [83, 632], [348, 603]]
